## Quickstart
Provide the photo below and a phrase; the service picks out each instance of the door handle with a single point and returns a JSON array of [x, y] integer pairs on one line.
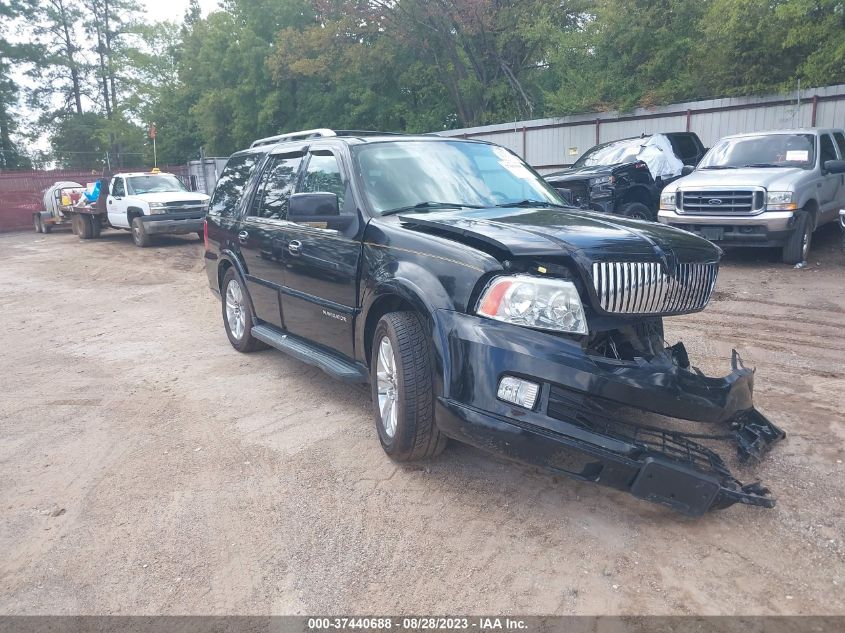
[[111, 200], [243, 236], [295, 247]]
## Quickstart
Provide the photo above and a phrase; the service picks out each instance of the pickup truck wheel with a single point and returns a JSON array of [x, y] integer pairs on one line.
[[797, 247], [237, 314], [36, 220], [139, 234], [637, 211], [402, 382], [85, 226]]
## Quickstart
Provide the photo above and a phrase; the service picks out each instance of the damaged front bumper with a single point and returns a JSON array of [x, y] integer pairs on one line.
[[576, 426]]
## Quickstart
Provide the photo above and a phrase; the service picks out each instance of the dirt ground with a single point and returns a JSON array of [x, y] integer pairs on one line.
[[148, 468]]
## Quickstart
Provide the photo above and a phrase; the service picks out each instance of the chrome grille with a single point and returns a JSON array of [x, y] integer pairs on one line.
[[644, 288], [721, 201]]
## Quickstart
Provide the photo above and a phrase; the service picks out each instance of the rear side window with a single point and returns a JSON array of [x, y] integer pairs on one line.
[[279, 179], [828, 152], [840, 143], [684, 147], [231, 183]]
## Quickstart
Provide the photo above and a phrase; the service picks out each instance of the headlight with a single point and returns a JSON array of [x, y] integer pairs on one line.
[[667, 201], [603, 180], [546, 304], [157, 208], [780, 201]]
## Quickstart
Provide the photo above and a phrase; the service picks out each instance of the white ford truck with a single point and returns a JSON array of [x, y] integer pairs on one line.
[[145, 203], [762, 189]]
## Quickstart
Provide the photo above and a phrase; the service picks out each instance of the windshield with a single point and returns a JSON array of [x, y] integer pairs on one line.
[[154, 184], [402, 175], [767, 150], [615, 153]]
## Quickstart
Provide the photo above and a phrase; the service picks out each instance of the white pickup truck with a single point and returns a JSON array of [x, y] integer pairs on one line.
[[145, 203], [151, 203]]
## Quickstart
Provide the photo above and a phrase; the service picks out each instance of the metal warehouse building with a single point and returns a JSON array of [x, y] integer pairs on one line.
[[550, 144]]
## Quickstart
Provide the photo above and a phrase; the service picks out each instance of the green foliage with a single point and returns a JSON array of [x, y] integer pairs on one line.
[[260, 67]]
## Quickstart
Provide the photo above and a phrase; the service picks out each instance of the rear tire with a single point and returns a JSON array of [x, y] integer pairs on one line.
[[139, 234], [402, 382], [237, 314], [39, 225], [797, 247], [637, 211], [87, 227]]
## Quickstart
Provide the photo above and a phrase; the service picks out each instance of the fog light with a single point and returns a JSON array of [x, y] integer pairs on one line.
[[518, 391]]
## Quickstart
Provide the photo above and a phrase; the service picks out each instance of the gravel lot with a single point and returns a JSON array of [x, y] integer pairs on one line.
[[147, 468]]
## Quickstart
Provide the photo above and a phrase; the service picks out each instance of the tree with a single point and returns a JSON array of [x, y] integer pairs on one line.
[[10, 155], [59, 67]]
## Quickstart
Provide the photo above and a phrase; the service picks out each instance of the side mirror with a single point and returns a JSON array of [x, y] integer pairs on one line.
[[835, 166], [305, 207], [686, 170]]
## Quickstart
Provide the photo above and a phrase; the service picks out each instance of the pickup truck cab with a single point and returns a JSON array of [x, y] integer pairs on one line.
[[451, 277], [768, 189], [626, 177], [153, 203]]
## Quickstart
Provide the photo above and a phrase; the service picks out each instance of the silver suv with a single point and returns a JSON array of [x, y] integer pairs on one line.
[[762, 189]]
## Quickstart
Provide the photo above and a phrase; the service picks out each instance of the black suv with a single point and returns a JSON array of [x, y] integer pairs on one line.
[[450, 276], [626, 176]]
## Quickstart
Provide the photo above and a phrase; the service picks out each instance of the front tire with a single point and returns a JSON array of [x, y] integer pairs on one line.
[[402, 382], [237, 314], [637, 211], [797, 247], [139, 234]]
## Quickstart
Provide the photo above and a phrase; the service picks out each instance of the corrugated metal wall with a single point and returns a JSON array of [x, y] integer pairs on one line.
[[550, 144]]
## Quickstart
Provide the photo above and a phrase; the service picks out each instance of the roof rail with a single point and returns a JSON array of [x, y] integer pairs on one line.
[[294, 136]]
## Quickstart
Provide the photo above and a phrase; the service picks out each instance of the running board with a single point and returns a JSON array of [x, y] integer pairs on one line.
[[300, 349]]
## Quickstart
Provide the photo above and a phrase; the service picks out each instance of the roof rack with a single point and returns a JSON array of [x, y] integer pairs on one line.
[[318, 133], [294, 136]]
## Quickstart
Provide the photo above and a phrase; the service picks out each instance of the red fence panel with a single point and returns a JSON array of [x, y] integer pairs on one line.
[[21, 192]]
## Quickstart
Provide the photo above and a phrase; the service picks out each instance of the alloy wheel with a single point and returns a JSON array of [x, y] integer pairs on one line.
[[388, 392], [235, 315]]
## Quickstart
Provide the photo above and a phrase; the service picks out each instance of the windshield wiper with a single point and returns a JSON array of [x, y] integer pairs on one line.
[[426, 206], [719, 167], [764, 165], [531, 203]]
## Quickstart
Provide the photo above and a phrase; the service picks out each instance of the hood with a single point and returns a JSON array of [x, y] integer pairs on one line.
[[581, 173], [772, 178], [580, 235], [173, 196]]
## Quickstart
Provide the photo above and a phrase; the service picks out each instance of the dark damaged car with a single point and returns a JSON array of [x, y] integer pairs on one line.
[[452, 278], [625, 177]]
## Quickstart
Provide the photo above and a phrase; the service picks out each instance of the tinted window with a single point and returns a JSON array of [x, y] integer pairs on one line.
[[684, 147], [840, 142], [323, 175], [231, 183], [271, 200], [117, 188], [828, 152]]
